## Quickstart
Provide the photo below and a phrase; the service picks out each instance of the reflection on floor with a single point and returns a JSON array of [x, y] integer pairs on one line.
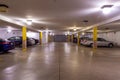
[[61, 61]]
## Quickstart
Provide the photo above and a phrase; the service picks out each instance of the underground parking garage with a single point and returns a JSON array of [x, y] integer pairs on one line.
[[59, 40]]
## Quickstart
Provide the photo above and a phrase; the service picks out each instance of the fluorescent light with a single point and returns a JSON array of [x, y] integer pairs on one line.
[[29, 22], [9, 30], [74, 29], [83, 33], [106, 9], [68, 32]]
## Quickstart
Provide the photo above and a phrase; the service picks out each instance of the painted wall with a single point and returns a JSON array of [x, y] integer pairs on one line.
[[5, 35]]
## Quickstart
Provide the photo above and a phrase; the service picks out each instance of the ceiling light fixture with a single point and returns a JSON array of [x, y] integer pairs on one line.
[[9, 31], [3, 8], [68, 32], [83, 33], [106, 9], [74, 29], [29, 22]]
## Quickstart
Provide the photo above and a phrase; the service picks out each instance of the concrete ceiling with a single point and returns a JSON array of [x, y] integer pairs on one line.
[[60, 15], [114, 26]]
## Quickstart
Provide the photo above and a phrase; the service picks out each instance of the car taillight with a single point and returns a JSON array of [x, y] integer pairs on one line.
[[5, 42], [85, 40]]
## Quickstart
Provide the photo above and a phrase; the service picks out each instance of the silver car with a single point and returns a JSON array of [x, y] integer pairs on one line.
[[100, 42]]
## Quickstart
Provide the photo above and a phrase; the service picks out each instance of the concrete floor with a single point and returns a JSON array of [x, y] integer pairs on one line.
[[61, 61]]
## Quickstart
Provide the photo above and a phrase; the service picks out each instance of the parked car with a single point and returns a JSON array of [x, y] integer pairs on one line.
[[6, 45], [75, 40], [100, 42], [36, 41], [32, 41], [18, 40], [83, 39]]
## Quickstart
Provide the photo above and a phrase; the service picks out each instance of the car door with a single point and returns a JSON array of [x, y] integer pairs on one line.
[[18, 40], [101, 42]]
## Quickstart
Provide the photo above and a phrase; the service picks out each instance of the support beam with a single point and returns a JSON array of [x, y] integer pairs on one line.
[[41, 35], [95, 37], [78, 39], [24, 38]]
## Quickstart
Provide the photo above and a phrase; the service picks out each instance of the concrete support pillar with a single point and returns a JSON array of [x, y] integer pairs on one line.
[[49, 38], [68, 38], [72, 37], [41, 35], [24, 38], [78, 39], [95, 37]]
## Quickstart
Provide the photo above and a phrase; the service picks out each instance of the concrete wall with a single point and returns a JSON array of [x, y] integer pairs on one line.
[[5, 35]]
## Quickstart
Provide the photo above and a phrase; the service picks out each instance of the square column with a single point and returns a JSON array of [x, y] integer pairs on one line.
[[95, 33], [78, 39], [24, 38], [41, 35]]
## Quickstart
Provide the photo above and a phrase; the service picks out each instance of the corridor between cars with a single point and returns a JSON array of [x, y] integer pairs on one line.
[[60, 61]]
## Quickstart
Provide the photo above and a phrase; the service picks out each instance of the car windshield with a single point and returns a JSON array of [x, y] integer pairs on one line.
[[89, 39], [101, 39]]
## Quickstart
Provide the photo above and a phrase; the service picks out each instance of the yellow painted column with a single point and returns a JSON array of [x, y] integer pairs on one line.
[[78, 39], [95, 37], [49, 38], [68, 38], [72, 37], [41, 35], [24, 38]]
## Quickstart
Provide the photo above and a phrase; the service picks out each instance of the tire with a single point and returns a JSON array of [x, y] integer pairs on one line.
[[6, 51], [91, 44], [110, 45]]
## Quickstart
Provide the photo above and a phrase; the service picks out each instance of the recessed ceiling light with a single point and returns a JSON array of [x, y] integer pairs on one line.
[[106, 9]]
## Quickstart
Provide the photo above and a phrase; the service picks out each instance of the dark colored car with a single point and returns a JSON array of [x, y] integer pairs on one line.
[[18, 41], [6, 45], [36, 41], [75, 40]]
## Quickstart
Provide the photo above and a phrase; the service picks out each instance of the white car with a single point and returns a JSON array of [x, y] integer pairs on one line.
[[100, 42]]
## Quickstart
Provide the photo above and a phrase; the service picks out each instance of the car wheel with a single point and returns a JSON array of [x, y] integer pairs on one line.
[[6, 51], [91, 45], [110, 45]]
